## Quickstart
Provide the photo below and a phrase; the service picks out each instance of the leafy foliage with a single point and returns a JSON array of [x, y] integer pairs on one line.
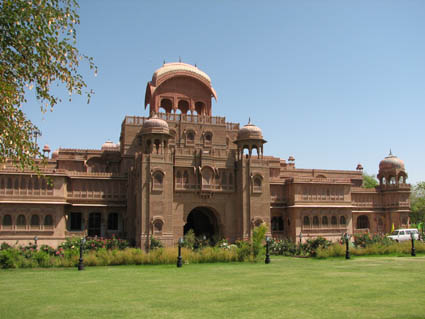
[[417, 203], [369, 181], [365, 240], [37, 50]]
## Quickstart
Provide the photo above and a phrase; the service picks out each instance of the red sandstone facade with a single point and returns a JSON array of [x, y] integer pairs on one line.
[[182, 168]]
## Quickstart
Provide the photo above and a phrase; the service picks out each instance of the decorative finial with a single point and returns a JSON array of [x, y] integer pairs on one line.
[[180, 59], [391, 153], [163, 62], [196, 65], [249, 120]]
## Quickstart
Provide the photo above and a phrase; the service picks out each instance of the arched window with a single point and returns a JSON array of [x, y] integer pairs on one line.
[[157, 180], [200, 108], [113, 221], [207, 177], [362, 222], [7, 220], [167, 105], [334, 221], [21, 221], [48, 220], [157, 225], [315, 221], [342, 220], [35, 220], [183, 106], [190, 137], [325, 220], [208, 138], [257, 184], [306, 221]]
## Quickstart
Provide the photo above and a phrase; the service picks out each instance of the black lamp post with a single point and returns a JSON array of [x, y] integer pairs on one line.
[[347, 249], [301, 239], [80, 263], [35, 241], [413, 252], [179, 258], [267, 261]]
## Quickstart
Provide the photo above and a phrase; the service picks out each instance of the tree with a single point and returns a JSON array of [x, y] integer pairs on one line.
[[369, 181], [417, 203], [37, 51]]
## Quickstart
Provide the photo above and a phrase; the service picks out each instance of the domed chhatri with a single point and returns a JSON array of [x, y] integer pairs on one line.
[[155, 125], [250, 132], [194, 90], [392, 170], [391, 162], [109, 146]]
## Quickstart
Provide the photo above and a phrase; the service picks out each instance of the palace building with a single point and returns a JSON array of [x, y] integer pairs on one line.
[[182, 168]]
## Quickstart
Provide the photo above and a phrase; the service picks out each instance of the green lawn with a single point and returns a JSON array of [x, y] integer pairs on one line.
[[371, 287]]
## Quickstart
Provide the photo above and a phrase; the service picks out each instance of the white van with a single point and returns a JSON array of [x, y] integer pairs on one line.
[[404, 234]]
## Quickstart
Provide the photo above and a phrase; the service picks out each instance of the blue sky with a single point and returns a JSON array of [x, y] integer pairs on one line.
[[333, 83]]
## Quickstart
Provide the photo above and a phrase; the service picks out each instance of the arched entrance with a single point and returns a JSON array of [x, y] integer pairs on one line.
[[203, 221]]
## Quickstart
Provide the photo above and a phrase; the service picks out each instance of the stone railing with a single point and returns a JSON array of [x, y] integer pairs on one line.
[[318, 180], [95, 174], [195, 187], [186, 118], [95, 195]]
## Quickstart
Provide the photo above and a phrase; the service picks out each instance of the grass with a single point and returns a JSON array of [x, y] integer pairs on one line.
[[373, 287]]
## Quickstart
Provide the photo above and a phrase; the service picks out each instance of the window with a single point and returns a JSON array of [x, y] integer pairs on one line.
[[277, 224], [334, 221], [157, 180], [208, 138], [362, 222], [342, 220], [113, 221], [306, 221], [190, 137], [7, 220], [257, 184], [21, 221], [157, 225], [315, 221], [48, 220], [76, 221], [35, 220], [325, 221]]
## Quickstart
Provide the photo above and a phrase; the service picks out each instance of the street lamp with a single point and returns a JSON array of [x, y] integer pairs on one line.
[[179, 258], [35, 241], [301, 239], [267, 261], [80, 263], [347, 249], [413, 252]]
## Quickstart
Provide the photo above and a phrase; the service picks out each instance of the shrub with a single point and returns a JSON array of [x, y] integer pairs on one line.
[[8, 259], [311, 246], [258, 237], [283, 247], [155, 243]]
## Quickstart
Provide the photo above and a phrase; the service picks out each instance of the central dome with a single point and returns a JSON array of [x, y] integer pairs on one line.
[[179, 67], [155, 125]]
